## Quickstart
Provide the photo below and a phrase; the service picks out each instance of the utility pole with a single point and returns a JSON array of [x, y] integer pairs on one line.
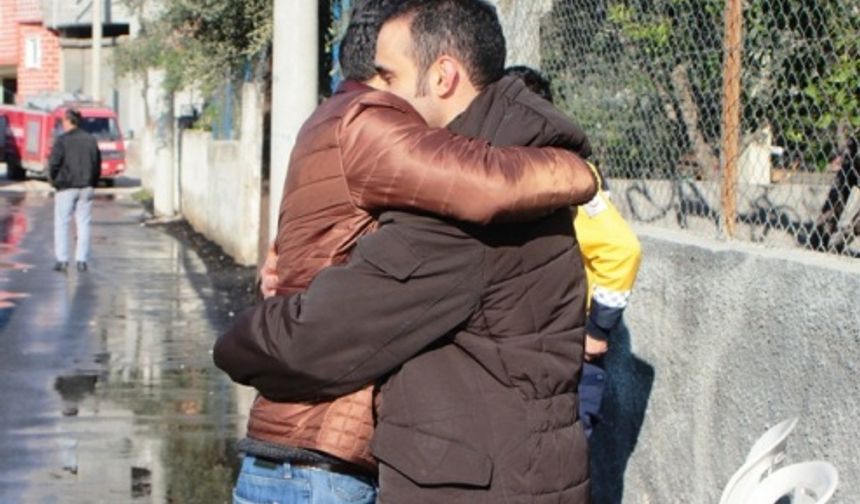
[[97, 50], [295, 70], [731, 111]]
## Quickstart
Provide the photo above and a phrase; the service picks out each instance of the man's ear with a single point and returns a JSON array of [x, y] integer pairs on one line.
[[447, 77]]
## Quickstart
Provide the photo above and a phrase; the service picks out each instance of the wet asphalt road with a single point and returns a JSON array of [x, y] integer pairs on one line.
[[107, 390]]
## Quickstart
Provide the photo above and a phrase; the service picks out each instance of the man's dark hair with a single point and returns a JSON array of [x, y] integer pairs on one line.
[[358, 46], [73, 116], [533, 79], [468, 30]]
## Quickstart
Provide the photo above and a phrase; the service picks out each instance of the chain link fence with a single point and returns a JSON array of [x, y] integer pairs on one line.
[[741, 122]]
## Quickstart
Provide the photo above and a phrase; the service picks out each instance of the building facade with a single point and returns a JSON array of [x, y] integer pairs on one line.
[[46, 47], [30, 59]]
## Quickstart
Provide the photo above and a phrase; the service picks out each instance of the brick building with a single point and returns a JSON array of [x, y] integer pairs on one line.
[[45, 46], [30, 56]]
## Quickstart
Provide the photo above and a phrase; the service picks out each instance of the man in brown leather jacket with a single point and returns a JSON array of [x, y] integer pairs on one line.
[[360, 152], [515, 291]]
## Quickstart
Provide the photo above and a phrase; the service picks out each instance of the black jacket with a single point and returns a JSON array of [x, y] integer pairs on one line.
[[75, 160], [479, 332]]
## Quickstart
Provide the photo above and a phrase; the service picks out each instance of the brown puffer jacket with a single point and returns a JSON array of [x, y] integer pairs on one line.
[[365, 150]]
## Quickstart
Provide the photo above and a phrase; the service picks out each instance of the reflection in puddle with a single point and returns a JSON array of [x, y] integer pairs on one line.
[[75, 387], [7, 297], [6, 265], [141, 482], [13, 228], [68, 449], [135, 411]]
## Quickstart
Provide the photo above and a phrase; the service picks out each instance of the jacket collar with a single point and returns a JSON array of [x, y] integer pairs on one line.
[[488, 97], [507, 113], [348, 86]]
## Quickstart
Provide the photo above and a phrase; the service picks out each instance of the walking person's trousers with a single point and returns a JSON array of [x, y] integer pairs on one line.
[[67, 201]]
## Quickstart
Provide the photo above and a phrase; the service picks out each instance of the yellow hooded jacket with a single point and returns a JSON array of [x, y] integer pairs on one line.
[[611, 254]]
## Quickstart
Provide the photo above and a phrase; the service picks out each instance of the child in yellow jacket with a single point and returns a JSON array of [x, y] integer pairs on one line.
[[611, 254]]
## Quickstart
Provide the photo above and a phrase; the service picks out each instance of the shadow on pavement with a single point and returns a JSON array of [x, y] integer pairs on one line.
[[227, 287], [628, 389]]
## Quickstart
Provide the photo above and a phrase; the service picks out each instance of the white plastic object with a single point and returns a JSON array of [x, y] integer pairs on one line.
[[772, 441], [765, 454], [811, 482]]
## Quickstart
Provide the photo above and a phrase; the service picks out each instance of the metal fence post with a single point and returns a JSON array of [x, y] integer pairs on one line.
[[731, 111]]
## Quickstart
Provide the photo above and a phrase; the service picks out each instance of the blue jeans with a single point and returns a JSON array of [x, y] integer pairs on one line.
[[79, 201], [261, 481]]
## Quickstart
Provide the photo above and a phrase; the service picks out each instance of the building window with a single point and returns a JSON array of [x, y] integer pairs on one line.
[[33, 52]]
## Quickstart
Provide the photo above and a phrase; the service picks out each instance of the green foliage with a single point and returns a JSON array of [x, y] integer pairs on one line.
[[653, 32], [613, 61], [199, 42], [211, 115], [802, 73], [616, 67], [142, 196]]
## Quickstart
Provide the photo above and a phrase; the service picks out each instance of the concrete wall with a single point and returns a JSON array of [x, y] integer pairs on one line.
[[725, 340], [146, 113], [60, 13], [221, 181], [77, 72]]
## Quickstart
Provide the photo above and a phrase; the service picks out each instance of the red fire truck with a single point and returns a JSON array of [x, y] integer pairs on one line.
[[27, 134]]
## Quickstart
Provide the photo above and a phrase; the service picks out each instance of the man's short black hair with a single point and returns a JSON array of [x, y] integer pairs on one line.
[[533, 79], [358, 46], [468, 30], [73, 116]]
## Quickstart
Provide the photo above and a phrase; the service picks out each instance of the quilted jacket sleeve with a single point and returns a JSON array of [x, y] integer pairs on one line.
[[391, 159], [405, 286]]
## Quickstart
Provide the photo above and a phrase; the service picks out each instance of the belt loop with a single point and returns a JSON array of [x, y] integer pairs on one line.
[[287, 470]]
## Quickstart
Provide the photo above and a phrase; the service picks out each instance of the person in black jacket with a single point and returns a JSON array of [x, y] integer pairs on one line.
[[75, 165]]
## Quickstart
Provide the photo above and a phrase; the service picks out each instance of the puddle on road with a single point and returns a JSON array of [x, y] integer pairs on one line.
[[136, 411], [13, 228], [146, 417], [150, 437]]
